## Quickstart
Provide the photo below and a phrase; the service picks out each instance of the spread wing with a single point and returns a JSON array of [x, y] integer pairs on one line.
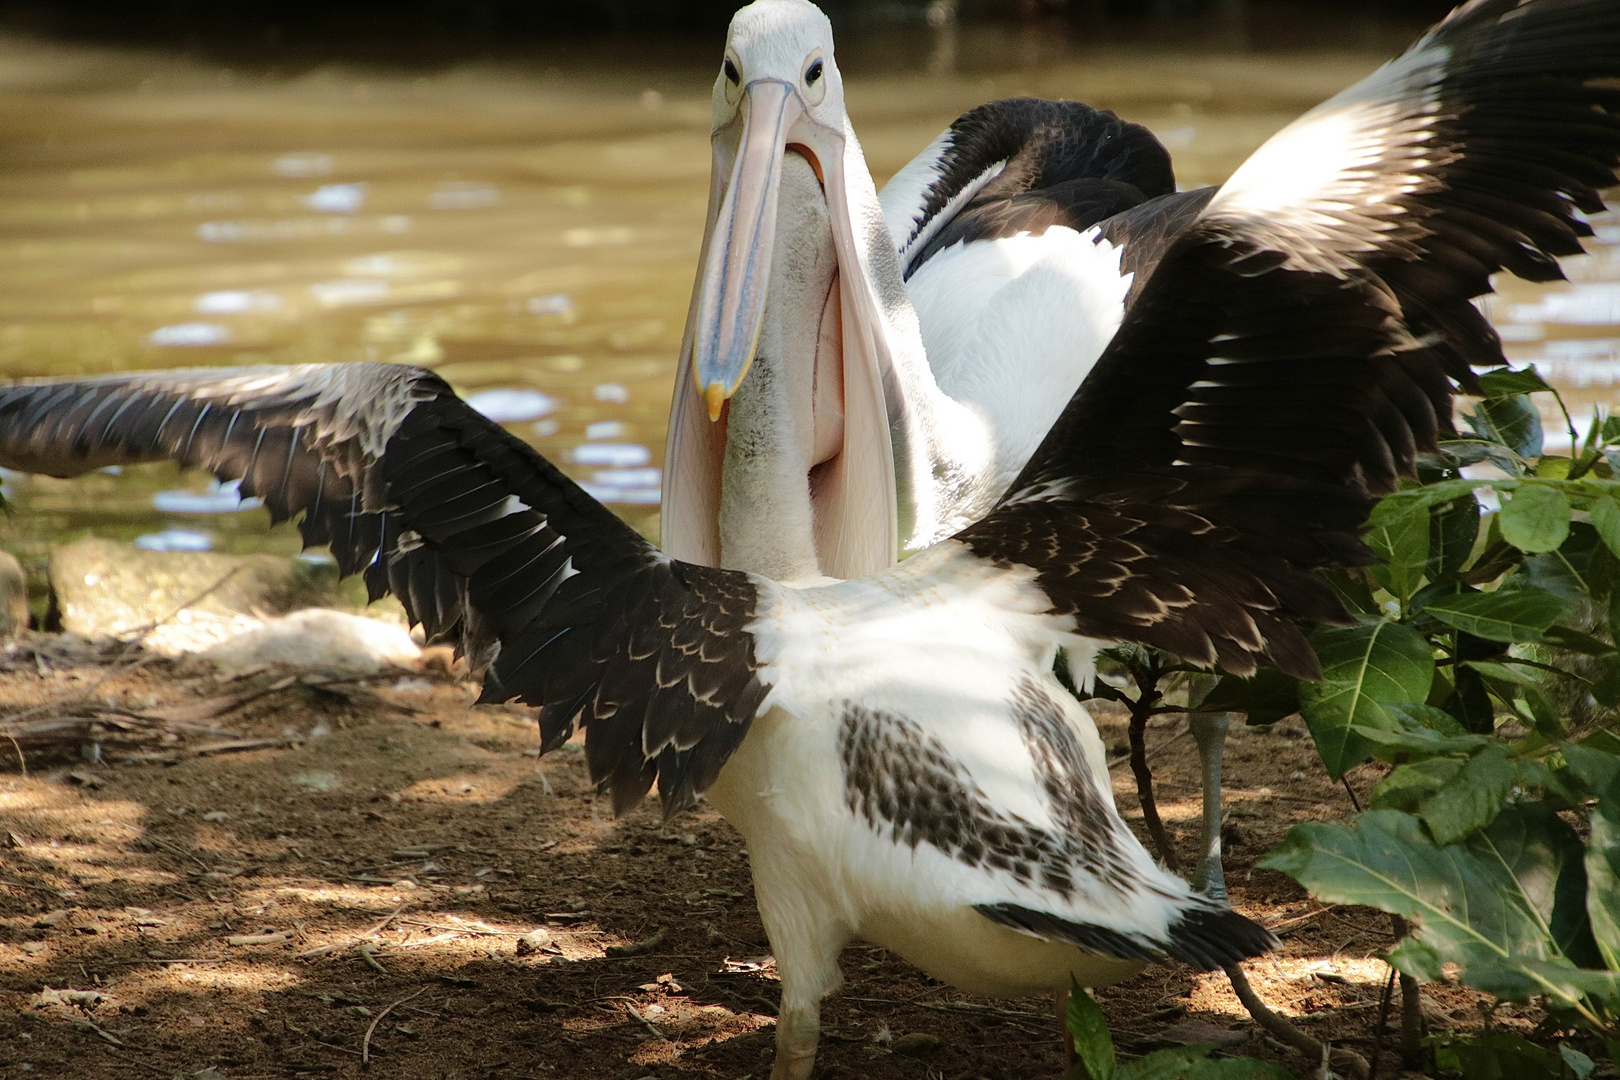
[[1470, 153], [479, 536], [1300, 341]]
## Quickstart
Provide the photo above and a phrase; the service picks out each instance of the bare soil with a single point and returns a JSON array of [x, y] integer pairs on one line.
[[274, 876]]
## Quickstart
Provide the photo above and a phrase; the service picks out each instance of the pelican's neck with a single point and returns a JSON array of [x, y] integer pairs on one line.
[[941, 447], [766, 519]]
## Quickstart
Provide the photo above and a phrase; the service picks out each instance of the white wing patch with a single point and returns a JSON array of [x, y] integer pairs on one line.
[[1327, 180]]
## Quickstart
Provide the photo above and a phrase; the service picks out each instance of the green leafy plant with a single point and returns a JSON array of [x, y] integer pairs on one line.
[[1096, 1060], [1482, 666]]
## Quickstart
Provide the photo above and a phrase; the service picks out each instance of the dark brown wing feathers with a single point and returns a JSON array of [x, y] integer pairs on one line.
[[1272, 377], [481, 539]]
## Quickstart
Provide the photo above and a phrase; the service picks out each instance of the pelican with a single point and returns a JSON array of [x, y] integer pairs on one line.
[[927, 337], [894, 747]]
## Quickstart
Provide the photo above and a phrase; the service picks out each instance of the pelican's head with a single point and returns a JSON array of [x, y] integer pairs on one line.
[[778, 97], [778, 88]]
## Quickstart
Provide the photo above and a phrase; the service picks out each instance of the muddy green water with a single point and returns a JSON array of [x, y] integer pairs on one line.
[[528, 228]]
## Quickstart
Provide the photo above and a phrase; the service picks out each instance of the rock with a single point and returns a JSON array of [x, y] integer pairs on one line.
[[102, 588], [318, 780], [13, 597], [917, 1044], [533, 941], [319, 638], [1197, 1033]]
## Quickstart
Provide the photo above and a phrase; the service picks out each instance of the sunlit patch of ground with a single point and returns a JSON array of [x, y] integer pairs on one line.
[[260, 913]]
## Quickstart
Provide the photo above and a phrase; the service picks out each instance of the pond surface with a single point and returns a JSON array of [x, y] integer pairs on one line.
[[530, 228]]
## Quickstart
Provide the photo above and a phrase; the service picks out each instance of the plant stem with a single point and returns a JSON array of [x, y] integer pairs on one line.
[[1147, 687], [1383, 1024], [1411, 1007]]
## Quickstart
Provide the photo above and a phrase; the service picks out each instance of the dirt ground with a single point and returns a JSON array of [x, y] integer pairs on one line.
[[279, 875]]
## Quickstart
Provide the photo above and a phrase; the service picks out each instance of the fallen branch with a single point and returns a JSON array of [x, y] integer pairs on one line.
[[367, 935], [1345, 1061], [365, 1043]]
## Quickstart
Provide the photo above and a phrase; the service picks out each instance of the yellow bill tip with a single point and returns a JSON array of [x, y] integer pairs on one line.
[[716, 396]]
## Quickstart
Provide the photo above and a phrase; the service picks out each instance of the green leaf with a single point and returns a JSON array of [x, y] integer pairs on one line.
[[1512, 421], [1594, 764], [1578, 1063], [1194, 1063], [1495, 1054], [1603, 878], [1352, 589], [1453, 529], [1400, 503], [1614, 615], [1606, 688], [1507, 673], [1572, 640], [1520, 615], [1470, 800], [1418, 716], [1366, 669], [1394, 745], [1459, 453], [1470, 702], [1426, 732], [1555, 978], [1550, 572], [1406, 786], [1506, 382], [1093, 1046], [1498, 905], [1605, 518], [1549, 725], [1402, 546], [1264, 697], [1535, 518]]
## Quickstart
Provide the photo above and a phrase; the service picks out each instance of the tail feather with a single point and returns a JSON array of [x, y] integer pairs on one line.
[[1206, 938]]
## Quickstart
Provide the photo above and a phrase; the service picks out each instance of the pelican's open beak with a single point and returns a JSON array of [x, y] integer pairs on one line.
[[853, 489], [731, 300]]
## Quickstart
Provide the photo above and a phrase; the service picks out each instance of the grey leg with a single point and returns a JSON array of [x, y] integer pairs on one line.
[[1209, 731], [807, 941], [798, 1027]]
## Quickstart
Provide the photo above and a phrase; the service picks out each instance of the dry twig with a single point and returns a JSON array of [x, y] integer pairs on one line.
[[365, 1043]]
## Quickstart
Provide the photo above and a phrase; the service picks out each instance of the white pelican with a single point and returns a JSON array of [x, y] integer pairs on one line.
[[928, 336], [895, 748]]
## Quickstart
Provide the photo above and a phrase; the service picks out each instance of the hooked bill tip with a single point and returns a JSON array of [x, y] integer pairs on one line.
[[716, 396]]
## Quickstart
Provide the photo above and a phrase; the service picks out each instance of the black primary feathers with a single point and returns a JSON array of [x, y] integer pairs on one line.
[[1469, 154], [1229, 439], [480, 537], [1205, 937]]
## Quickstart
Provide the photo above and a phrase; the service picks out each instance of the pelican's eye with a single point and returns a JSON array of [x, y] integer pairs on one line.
[[814, 79], [731, 71]]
